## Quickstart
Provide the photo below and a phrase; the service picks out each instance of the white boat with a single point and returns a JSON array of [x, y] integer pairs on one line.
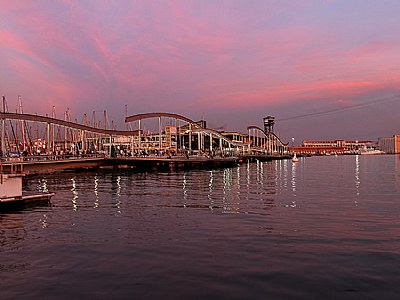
[[371, 151], [11, 191], [294, 158]]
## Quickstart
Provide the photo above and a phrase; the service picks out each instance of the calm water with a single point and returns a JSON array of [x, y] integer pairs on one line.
[[325, 227]]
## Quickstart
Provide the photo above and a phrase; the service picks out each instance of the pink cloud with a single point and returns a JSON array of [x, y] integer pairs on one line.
[[181, 55]]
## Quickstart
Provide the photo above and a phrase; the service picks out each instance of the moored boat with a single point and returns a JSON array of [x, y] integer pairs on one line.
[[371, 152], [11, 192]]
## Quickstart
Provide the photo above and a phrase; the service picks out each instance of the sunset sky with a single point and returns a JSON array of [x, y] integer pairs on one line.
[[232, 62]]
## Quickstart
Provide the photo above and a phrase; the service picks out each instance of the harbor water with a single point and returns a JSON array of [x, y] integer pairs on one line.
[[322, 228]]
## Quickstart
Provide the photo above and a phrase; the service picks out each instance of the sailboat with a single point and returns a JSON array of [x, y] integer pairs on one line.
[[294, 158]]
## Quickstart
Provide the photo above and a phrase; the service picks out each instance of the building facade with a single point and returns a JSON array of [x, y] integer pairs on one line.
[[390, 145], [333, 147]]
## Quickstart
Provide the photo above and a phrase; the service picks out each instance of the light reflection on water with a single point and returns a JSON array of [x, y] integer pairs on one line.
[[96, 192], [357, 177], [323, 227], [74, 194]]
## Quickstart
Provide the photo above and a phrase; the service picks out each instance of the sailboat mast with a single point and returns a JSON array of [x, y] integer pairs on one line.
[[21, 111], [3, 129]]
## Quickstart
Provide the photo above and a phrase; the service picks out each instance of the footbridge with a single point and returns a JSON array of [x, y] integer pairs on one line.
[[265, 143], [148, 135], [185, 136], [25, 134]]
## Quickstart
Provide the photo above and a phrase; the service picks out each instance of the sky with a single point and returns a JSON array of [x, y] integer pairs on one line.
[[325, 69]]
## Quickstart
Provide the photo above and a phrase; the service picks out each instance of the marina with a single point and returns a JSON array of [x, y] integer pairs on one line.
[[210, 150], [174, 142]]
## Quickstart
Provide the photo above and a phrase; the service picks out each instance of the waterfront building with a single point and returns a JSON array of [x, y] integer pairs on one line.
[[333, 147], [390, 145]]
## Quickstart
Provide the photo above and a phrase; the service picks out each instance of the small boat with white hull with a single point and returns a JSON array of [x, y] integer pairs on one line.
[[11, 192], [371, 152]]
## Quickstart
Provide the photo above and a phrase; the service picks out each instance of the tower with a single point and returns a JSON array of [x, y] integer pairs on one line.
[[269, 122]]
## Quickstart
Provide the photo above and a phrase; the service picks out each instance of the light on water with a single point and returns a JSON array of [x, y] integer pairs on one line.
[[321, 227]]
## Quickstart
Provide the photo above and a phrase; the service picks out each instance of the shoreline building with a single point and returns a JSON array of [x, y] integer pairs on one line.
[[389, 145], [332, 147]]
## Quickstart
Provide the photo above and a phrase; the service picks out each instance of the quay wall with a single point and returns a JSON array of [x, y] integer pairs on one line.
[[136, 163]]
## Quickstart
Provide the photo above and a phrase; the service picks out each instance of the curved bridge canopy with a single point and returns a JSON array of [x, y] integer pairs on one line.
[[197, 127], [219, 135], [266, 135], [159, 114], [42, 119]]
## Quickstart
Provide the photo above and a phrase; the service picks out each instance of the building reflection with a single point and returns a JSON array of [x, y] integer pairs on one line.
[[293, 180], [43, 221], [210, 189], [357, 177], [116, 192], [240, 189], [227, 190], [231, 192], [96, 191], [43, 185], [284, 164], [185, 190], [248, 181], [74, 194]]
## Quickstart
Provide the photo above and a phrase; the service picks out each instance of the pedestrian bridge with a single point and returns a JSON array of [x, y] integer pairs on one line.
[[172, 134]]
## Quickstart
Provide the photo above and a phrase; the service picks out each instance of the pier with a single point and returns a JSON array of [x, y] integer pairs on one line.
[[150, 141], [135, 163]]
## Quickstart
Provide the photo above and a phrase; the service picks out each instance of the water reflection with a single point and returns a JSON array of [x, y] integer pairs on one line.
[[293, 181], [232, 190], [74, 194], [118, 194], [210, 189], [226, 191], [229, 190], [247, 191], [42, 185], [12, 230], [96, 191], [239, 187], [146, 251], [185, 190], [357, 178], [116, 191], [43, 221], [284, 165]]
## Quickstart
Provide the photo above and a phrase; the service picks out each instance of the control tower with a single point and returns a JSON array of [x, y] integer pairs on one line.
[[269, 122]]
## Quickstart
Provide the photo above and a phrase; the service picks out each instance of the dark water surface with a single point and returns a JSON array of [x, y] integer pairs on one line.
[[325, 227]]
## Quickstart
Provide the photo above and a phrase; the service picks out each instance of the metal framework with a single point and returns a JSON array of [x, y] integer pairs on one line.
[[188, 137], [266, 143]]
